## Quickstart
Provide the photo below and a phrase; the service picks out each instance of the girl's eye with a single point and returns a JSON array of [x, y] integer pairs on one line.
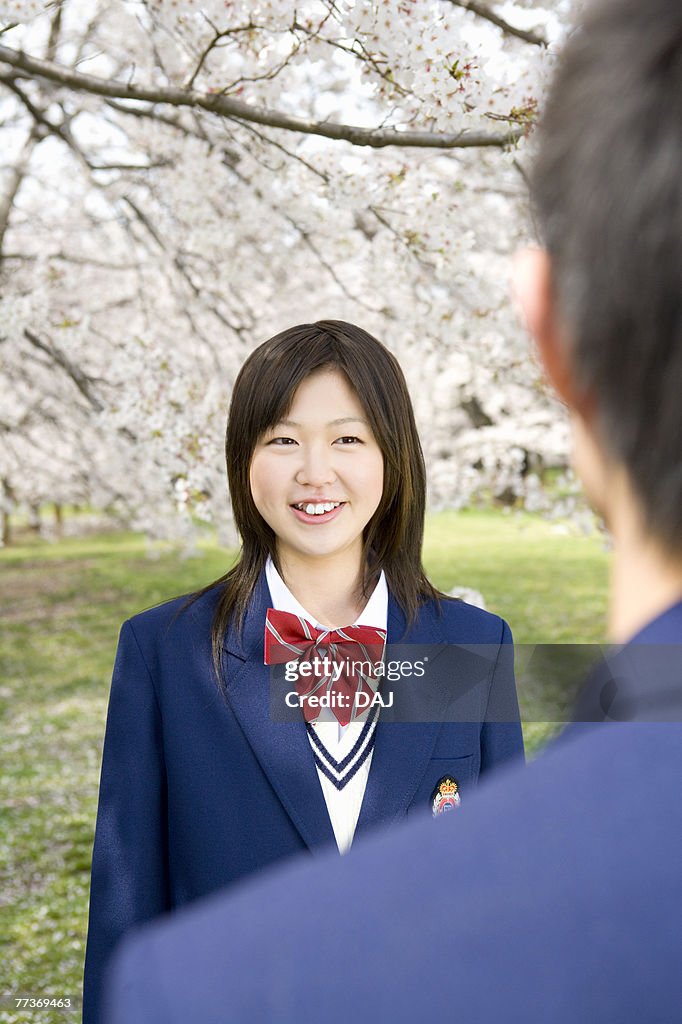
[[282, 441], [349, 439]]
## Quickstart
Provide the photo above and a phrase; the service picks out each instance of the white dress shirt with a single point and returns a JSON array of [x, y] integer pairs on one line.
[[343, 805]]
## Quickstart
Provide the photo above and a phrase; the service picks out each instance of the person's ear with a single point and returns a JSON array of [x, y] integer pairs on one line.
[[534, 294]]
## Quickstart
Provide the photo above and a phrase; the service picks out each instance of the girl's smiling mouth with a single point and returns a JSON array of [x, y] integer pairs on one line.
[[317, 511]]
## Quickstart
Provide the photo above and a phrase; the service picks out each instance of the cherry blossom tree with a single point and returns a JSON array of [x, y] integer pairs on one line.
[[183, 178]]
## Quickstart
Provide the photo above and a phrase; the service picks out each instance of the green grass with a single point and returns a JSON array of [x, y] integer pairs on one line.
[[61, 606], [546, 579]]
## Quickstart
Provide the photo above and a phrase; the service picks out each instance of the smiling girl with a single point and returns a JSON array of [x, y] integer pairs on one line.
[[202, 781]]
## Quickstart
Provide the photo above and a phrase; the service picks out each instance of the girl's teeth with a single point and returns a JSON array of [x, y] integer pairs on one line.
[[317, 510]]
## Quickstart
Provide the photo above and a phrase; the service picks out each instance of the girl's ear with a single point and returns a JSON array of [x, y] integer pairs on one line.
[[534, 294]]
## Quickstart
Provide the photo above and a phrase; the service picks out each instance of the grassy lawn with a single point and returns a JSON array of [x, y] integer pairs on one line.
[[61, 606]]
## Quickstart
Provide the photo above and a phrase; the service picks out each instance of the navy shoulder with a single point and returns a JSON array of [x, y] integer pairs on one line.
[[465, 623], [184, 612]]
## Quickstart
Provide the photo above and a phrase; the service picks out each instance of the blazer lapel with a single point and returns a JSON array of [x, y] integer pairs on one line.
[[404, 742], [282, 748], [639, 681]]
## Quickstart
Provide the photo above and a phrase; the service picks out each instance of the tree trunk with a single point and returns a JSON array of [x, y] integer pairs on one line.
[[5, 506], [34, 518]]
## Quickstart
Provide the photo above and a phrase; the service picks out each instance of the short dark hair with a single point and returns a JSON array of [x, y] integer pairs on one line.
[[607, 195], [263, 394]]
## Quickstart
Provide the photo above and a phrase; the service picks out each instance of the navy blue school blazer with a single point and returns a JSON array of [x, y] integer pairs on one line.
[[201, 787], [554, 896]]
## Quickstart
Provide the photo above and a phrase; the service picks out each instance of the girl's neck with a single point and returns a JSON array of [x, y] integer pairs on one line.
[[329, 589]]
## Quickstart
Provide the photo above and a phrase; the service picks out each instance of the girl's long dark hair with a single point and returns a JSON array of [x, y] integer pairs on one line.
[[263, 394]]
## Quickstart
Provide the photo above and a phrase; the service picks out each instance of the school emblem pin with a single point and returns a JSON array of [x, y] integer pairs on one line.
[[445, 796]]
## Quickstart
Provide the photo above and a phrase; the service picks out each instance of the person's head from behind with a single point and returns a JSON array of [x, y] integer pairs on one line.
[[324, 460], [604, 298]]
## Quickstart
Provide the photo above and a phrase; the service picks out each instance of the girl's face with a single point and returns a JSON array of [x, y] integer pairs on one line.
[[317, 476]]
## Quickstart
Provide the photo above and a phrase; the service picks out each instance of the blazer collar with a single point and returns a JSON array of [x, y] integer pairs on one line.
[[640, 681], [247, 644], [402, 748], [282, 748], [426, 628], [666, 628]]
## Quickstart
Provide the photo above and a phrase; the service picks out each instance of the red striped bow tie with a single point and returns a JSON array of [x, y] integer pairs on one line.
[[343, 661]]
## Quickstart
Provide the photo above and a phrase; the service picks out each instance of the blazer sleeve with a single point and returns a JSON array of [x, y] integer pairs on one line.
[[501, 735], [129, 880], [133, 993]]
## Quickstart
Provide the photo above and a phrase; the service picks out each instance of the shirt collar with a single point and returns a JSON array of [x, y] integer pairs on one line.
[[375, 612]]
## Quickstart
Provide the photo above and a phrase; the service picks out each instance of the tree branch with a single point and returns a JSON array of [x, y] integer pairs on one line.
[[484, 11], [228, 106], [55, 29], [16, 177], [39, 115], [180, 266], [82, 381], [231, 155]]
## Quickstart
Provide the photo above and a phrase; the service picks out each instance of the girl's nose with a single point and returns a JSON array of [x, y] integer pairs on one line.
[[316, 467]]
